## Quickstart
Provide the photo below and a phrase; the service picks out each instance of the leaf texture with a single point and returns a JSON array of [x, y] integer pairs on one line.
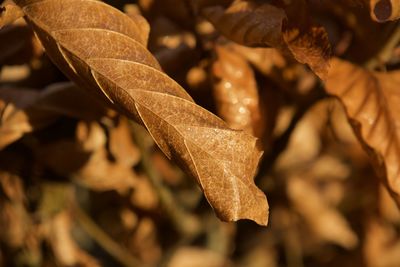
[[235, 91], [103, 50], [264, 25], [384, 10], [372, 102]]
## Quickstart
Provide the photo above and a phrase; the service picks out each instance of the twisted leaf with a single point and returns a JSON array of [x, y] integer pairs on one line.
[[372, 102], [257, 24], [104, 51]]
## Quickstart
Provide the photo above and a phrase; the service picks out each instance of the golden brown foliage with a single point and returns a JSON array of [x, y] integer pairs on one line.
[[120, 69], [372, 103], [99, 140]]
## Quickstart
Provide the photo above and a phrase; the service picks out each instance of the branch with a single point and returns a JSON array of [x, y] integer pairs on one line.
[[123, 256], [386, 51]]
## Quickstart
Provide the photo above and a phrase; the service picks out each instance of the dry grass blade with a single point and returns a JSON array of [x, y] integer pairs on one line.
[[104, 51], [372, 102], [384, 10]]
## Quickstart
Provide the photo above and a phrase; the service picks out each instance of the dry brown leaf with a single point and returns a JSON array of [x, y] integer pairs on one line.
[[14, 223], [197, 257], [18, 45], [248, 23], [14, 220], [103, 50], [372, 103], [263, 59], [387, 207], [310, 47], [121, 145], [144, 241], [299, 152], [382, 247], [66, 251], [325, 221], [144, 195], [12, 187], [9, 12], [17, 115], [25, 110], [384, 10], [235, 92], [86, 160], [257, 24]]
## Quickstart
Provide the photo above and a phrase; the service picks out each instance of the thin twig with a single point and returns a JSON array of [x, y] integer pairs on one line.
[[123, 256], [386, 51], [183, 222]]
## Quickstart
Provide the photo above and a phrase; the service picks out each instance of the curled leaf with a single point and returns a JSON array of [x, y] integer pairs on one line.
[[263, 59], [257, 24], [372, 103], [248, 23], [235, 91], [103, 50]]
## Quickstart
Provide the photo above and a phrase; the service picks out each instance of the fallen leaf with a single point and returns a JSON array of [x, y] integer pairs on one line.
[[103, 50], [384, 10], [372, 103]]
